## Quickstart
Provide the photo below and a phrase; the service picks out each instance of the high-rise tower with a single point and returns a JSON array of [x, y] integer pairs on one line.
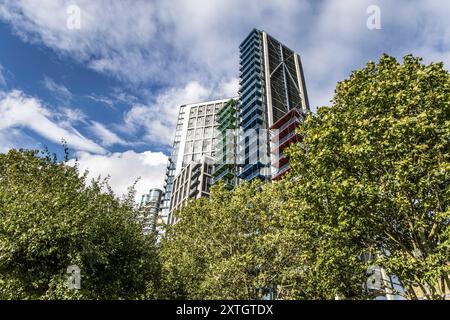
[[194, 137], [272, 85]]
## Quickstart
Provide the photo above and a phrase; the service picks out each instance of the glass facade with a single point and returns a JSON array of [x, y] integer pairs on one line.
[[271, 85], [227, 163]]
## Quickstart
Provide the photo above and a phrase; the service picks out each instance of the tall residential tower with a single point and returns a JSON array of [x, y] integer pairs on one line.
[[272, 86], [194, 138]]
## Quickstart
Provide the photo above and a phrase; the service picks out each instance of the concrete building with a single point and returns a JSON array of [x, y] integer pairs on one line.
[[271, 85], [193, 182]]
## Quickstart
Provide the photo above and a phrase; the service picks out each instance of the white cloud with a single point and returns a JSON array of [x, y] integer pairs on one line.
[[107, 137], [20, 110], [158, 119], [73, 115], [178, 42], [59, 91], [229, 89], [124, 168], [102, 99]]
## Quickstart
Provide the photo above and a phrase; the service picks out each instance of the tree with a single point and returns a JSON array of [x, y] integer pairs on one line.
[[372, 176], [51, 219], [219, 247]]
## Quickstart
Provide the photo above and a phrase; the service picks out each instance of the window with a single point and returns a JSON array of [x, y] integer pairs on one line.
[[209, 109], [190, 134], [198, 146], [200, 121], [201, 111], [206, 146], [208, 132], [189, 146], [191, 122], [198, 133], [208, 120], [196, 157], [217, 107], [193, 112], [186, 159]]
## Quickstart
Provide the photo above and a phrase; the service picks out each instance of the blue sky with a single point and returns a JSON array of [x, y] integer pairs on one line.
[[112, 88]]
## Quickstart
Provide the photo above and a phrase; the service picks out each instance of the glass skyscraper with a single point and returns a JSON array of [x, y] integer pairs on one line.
[[271, 86]]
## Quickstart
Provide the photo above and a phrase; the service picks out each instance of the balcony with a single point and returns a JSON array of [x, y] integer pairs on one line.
[[245, 91], [196, 172], [193, 192], [281, 171], [252, 44], [228, 173], [248, 57], [252, 123], [294, 122], [252, 74], [253, 33], [256, 109]]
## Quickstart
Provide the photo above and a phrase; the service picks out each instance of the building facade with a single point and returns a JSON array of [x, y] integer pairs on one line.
[[271, 85], [227, 160], [192, 182], [149, 210], [282, 134], [194, 137]]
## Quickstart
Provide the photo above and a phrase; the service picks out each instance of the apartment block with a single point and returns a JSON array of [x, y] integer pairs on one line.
[[271, 86]]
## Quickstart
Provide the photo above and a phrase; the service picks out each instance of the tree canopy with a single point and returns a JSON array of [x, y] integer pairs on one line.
[[51, 219], [368, 185]]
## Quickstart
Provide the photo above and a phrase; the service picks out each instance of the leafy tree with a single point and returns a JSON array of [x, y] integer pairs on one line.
[[51, 219], [219, 248], [372, 176]]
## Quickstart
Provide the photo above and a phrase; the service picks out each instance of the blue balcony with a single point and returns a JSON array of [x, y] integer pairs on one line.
[[253, 57], [252, 171], [254, 73], [249, 56], [256, 110], [252, 44], [253, 122], [248, 90], [251, 97], [253, 33]]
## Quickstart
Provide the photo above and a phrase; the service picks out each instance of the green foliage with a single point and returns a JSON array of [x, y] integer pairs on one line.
[[374, 172], [50, 219], [370, 179], [214, 250]]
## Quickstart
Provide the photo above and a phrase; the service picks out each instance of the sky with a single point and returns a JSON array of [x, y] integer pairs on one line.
[[110, 83]]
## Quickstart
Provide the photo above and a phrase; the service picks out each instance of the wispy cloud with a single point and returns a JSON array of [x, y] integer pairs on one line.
[[20, 110], [102, 99], [156, 120], [59, 91], [107, 137], [172, 43]]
